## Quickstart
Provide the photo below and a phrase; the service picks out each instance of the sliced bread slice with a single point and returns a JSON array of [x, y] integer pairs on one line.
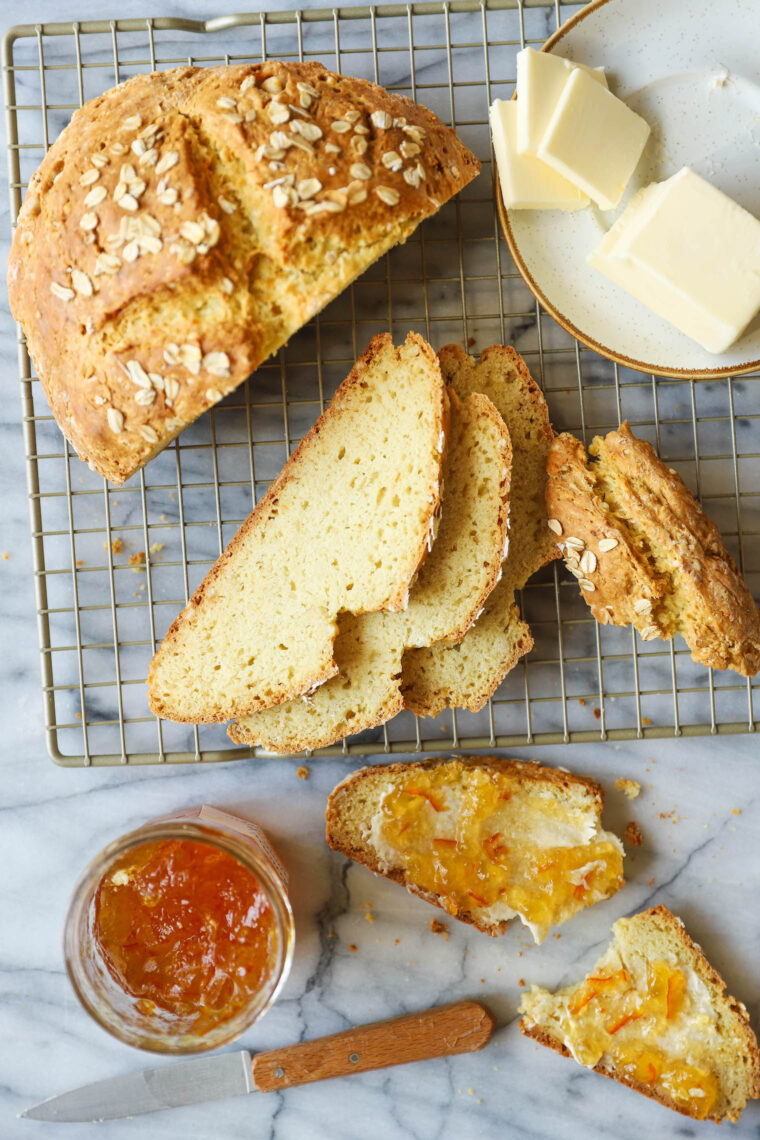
[[345, 526], [466, 675], [645, 553], [450, 590], [486, 840], [655, 1016]]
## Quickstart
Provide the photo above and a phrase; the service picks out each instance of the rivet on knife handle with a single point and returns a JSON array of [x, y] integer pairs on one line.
[[461, 1027]]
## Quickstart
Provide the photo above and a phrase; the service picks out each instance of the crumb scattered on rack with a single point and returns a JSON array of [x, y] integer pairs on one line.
[[137, 560], [156, 547], [437, 927], [651, 882], [582, 702], [632, 836], [521, 982], [353, 948], [629, 788], [647, 720], [671, 815], [303, 772], [598, 714], [6, 556], [116, 546], [736, 811]]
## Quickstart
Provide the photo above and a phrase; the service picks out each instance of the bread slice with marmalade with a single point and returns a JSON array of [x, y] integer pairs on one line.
[[654, 1015], [486, 840], [344, 527]]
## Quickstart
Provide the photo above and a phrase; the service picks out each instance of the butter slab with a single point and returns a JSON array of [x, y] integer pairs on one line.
[[540, 79], [593, 139], [690, 254], [526, 183]]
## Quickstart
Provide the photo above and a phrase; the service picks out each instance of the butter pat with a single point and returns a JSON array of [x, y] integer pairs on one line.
[[689, 253], [541, 77], [526, 183], [593, 139]]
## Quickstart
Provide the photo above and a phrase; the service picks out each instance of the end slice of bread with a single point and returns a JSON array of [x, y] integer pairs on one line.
[[449, 592], [344, 527], [486, 840], [466, 675], [655, 1016], [644, 552]]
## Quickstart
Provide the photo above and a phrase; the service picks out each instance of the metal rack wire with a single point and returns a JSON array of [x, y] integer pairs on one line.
[[114, 565]]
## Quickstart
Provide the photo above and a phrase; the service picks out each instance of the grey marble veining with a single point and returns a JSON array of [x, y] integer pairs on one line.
[[699, 813]]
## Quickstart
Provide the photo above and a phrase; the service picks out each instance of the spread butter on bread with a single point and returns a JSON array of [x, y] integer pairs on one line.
[[344, 527], [645, 553], [187, 222], [654, 1015], [467, 674], [450, 590], [486, 840]]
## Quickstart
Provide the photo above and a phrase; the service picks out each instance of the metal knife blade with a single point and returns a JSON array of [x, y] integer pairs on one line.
[[149, 1090]]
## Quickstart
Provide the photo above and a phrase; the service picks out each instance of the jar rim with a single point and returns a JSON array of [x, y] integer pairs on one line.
[[216, 835]]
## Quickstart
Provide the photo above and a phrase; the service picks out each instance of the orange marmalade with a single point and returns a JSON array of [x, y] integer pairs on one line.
[[497, 845], [186, 929], [609, 1016], [180, 934]]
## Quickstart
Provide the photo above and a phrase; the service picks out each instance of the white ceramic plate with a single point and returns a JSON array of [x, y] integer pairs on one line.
[[693, 71]]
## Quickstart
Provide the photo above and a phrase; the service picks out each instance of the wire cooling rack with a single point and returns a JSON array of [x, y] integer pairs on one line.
[[114, 565]]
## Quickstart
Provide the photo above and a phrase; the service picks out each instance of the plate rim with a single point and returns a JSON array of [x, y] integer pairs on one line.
[[604, 350]]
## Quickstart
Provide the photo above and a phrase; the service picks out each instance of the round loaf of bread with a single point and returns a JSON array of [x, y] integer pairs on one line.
[[186, 223]]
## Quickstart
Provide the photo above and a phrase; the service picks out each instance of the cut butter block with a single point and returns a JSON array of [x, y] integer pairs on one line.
[[540, 79], [691, 254], [593, 139], [526, 183]]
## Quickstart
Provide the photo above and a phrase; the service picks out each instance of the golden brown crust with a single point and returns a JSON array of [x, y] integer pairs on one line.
[[266, 508], [530, 771], [668, 571], [283, 229], [703, 968]]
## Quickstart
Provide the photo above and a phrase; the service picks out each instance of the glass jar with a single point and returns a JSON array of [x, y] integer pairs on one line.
[[124, 1014]]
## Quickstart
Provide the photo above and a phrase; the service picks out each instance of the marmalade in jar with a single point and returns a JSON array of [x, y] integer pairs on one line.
[[187, 929]]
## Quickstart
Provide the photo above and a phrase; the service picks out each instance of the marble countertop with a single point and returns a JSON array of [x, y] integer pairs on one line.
[[699, 813]]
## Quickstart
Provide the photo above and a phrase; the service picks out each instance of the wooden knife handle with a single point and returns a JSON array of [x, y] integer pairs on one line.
[[461, 1027]]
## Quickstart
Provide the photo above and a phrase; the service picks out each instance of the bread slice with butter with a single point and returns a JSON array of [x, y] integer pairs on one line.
[[344, 527], [654, 1015], [466, 675], [645, 553], [449, 592], [486, 840]]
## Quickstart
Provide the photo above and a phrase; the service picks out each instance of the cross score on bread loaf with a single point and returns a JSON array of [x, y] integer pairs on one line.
[[187, 222]]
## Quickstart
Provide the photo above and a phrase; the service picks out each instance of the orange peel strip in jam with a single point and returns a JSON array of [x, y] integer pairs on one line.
[[426, 796]]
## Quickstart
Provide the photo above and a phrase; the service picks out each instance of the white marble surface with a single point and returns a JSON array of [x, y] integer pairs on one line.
[[699, 813]]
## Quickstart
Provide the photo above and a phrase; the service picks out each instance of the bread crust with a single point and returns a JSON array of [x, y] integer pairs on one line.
[[530, 771], [669, 559], [266, 259], [258, 518], [703, 968], [428, 688]]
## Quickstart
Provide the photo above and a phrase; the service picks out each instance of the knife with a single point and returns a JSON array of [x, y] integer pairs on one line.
[[461, 1027]]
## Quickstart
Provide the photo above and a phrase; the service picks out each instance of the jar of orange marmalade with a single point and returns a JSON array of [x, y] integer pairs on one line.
[[180, 935]]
